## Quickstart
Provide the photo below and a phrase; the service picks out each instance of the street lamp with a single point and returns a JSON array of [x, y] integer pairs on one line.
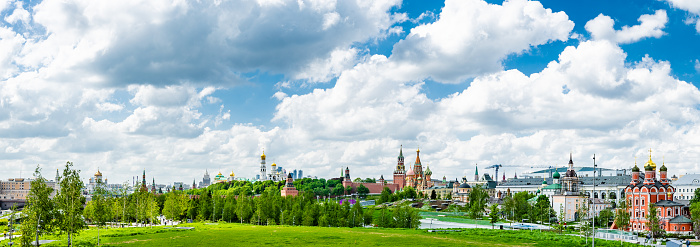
[[10, 227], [38, 226], [594, 197]]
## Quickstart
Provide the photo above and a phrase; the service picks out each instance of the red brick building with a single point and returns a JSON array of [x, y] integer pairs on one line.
[[288, 189], [374, 188], [643, 192]]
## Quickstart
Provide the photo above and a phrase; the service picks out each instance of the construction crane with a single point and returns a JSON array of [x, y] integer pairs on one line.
[[496, 166]]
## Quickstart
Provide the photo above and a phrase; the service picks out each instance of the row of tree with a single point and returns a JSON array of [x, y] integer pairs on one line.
[[68, 213]]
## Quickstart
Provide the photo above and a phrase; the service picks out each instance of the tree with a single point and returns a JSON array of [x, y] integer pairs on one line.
[[477, 202], [494, 214], [243, 208], [40, 209], [561, 218], [409, 192], [384, 218], [101, 207], [433, 195], [406, 217], [622, 216], [362, 190], [543, 208], [348, 190], [338, 190], [385, 195], [604, 217], [695, 217], [356, 215], [696, 197], [69, 202], [171, 209], [653, 221]]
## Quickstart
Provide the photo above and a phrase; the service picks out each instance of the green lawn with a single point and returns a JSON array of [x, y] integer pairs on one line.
[[454, 218], [243, 235]]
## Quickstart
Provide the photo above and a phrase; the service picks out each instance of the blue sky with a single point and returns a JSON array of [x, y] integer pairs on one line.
[[176, 88]]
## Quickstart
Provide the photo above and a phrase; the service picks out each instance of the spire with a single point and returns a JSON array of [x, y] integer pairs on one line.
[[401, 152], [418, 156], [476, 169], [571, 160]]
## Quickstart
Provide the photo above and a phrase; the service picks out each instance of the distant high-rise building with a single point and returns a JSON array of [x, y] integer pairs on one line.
[[206, 180], [300, 175], [294, 174]]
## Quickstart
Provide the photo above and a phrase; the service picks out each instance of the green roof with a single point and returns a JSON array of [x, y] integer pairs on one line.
[[680, 219], [553, 187]]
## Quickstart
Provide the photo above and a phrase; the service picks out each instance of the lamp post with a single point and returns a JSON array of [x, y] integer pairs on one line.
[[10, 227], [594, 197], [38, 226]]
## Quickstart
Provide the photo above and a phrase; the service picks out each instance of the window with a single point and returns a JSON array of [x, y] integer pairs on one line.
[[642, 202], [684, 228], [675, 227]]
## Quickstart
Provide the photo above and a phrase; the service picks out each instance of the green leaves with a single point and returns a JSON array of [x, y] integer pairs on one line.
[[69, 202]]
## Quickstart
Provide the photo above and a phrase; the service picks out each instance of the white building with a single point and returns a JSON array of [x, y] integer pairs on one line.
[[686, 186]]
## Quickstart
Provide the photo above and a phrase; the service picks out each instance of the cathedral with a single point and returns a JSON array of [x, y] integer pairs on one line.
[[415, 177], [274, 174], [642, 193]]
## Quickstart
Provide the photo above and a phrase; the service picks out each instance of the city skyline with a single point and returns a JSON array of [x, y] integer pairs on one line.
[[179, 87]]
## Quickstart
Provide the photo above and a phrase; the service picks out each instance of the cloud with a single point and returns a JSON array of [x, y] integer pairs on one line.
[[471, 38], [166, 43], [693, 7], [18, 15], [601, 28]]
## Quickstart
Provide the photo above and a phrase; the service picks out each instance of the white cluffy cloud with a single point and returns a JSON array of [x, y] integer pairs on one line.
[[169, 43], [472, 37], [693, 7], [590, 100], [601, 28]]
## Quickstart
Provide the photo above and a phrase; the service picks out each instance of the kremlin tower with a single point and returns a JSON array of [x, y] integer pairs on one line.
[[400, 172]]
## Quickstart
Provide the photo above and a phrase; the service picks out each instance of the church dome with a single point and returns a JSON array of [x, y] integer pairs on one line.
[[648, 167], [464, 186], [556, 175], [273, 164], [544, 181], [262, 157], [663, 168], [570, 173], [651, 164], [428, 171], [232, 174], [410, 172], [635, 168], [98, 173]]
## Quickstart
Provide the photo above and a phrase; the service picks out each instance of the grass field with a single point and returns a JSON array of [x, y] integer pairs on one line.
[[225, 234]]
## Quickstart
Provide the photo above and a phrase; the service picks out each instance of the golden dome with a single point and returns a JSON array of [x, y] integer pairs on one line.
[[219, 174], [651, 163], [262, 157], [98, 173], [232, 174], [273, 164]]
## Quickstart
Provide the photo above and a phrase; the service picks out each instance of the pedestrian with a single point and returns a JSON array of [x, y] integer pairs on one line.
[[687, 242]]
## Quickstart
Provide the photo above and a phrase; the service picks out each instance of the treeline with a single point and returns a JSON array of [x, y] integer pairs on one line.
[[270, 208], [238, 201]]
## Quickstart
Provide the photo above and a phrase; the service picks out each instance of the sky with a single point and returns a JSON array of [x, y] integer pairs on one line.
[[179, 87]]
